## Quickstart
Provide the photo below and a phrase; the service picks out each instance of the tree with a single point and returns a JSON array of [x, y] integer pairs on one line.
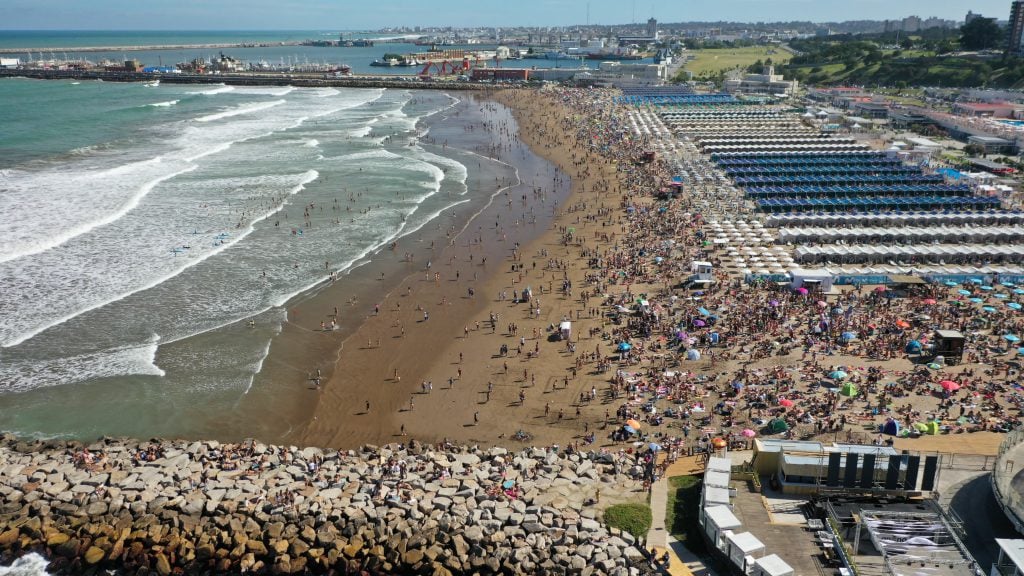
[[981, 34], [973, 150]]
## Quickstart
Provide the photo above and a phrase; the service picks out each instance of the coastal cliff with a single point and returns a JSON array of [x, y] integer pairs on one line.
[[168, 507]]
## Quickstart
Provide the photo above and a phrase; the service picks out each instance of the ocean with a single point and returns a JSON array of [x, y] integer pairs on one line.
[[146, 226]]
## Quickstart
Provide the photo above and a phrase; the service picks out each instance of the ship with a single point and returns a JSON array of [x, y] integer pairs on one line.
[[611, 56]]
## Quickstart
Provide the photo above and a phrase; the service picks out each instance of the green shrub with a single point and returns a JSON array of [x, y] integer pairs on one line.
[[633, 518]]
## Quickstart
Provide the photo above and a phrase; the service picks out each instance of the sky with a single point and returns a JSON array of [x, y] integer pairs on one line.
[[359, 15]]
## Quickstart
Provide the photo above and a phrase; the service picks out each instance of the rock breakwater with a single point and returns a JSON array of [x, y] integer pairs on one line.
[[174, 507]]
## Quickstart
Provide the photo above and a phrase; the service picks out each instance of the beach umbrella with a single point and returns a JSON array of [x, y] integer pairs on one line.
[[821, 304], [624, 347], [1011, 338], [629, 429], [963, 292], [988, 309], [976, 300], [880, 288], [913, 347], [976, 280], [951, 284], [786, 403], [847, 336], [748, 433], [949, 385], [1013, 306], [801, 290], [508, 484], [718, 442], [933, 366], [1002, 296], [902, 324], [633, 423], [654, 446], [699, 323], [693, 354], [987, 288], [1020, 351], [1007, 284], [777, 425], [703, 311], [1018, 291], [928, 301], [837, 375], [848, 390]]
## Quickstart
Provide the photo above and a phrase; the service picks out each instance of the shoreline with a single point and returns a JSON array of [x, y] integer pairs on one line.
[[468, 416], [283, 387]]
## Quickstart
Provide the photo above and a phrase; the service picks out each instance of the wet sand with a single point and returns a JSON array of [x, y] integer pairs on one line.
[[456, 342]]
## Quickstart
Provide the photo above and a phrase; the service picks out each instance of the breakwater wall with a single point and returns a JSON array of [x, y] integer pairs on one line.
[[164, 507], [309, 81]]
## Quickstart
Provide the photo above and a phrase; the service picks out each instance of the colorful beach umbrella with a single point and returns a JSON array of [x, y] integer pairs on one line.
[[988, 309], [976, 300], [933, 365], [1007, 284], [1014, 306], [1002, 296], [837, 375], [951, 284], [928, 301], [633, 423], [976, 281], [786, 403], [949, 385], [1011, 338], [987, 288], [802, 290], [629, 429], [1018, 291], [748, 433], [718, 442], [847, 336], [624, 346], [963, 292]]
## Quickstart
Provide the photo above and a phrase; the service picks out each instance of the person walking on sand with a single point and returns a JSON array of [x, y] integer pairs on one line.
[[476, 418], [367, 406]]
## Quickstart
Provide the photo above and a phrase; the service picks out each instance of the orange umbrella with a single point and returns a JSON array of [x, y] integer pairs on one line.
[[632, 423], [718, 442], [903, 324]]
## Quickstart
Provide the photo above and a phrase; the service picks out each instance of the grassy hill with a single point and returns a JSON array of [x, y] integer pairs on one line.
[[707, 63], [864, 63]]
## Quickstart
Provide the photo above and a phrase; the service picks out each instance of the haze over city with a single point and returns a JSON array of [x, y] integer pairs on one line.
[[316, 14]]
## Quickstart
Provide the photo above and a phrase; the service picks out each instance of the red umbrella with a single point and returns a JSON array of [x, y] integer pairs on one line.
[[949, 385], [928, 301], [786, 402]]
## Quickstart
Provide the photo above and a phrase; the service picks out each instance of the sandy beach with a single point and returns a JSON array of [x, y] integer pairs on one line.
[[457, 352]]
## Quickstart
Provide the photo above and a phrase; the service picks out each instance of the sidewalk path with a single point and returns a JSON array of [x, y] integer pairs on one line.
[[682, 562]]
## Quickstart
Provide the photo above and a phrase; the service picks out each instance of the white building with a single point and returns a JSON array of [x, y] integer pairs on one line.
[[767, 82], [626, 73]]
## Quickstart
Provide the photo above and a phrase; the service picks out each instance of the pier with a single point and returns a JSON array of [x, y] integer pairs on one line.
[[297, 80], [151, 47]]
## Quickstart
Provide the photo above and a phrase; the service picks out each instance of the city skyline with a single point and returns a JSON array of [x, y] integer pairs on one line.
[[346, 15]]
